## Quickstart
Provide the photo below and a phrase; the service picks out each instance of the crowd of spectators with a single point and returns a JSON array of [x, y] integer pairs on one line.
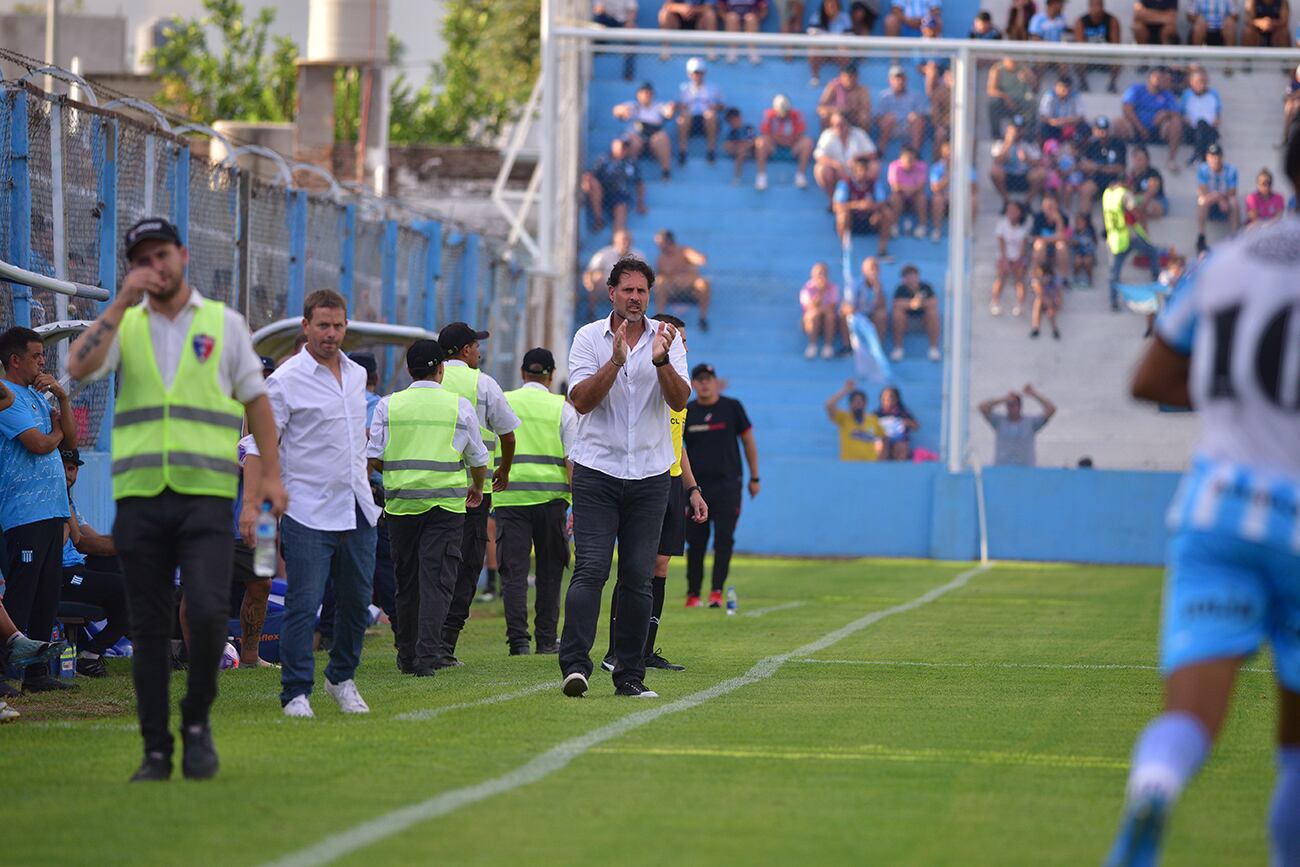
[[826, 311]]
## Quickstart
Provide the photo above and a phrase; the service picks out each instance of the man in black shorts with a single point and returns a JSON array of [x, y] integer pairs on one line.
[[1268, 23], [1156, 21]]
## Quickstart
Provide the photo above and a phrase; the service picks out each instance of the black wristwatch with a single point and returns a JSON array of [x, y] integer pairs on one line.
[[753, 480], [660, 363], [692, 489]]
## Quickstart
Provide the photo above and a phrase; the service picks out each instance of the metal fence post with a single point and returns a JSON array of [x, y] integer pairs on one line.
[[180, 176], [388, 279], [469, 281], [432, 269], [296, 213], [348, 268], [105, 144], [20, 207], [241, 300]]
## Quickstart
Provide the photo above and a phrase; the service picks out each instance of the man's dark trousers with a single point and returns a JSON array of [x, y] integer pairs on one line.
[[522, 530], [34, 580], [154, 537], [606, 508], [473, 547], [724, 499], [426, 548]]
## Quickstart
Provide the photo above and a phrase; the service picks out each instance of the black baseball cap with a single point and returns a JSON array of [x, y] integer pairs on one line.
[[457, 336], [367, 360], [1214, 150], [151, 229], [538, 361], [72, 456], [423, 357], [268, 364], [700, 371]]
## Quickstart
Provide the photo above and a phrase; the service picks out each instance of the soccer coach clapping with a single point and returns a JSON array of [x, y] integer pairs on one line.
[[624, 376]]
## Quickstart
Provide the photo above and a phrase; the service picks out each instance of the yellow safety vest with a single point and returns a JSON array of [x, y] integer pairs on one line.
[[422, 469], [185, 438], [464, 382], [676, 424], [538, 474]]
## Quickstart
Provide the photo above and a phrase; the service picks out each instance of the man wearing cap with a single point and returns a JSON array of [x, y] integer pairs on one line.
[[186, 374], [1216, 194], [1125, 234], [422, 439], [497, 422], [699, 110], [783, 134], [901, 112], [626, 376], [530, 513]]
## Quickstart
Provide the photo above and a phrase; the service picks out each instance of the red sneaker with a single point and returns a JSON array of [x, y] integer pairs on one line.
[[692, 602], [715, 598]]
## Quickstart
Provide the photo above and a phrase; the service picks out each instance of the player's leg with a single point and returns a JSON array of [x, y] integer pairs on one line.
[[354, 577], [1284, 816], [725, 513], [551, 547]]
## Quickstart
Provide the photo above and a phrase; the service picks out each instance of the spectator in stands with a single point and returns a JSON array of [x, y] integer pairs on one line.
[[915, 301], [867, 298], [679, 278], [901, 112], [897, 423], [908, 177], [1015, 431], [861, 204], [1060, 111], [1103, 161], [982, 27], [1015, 168], [1152, 115], [593, 279], [1201, 110], [1291, 105], [1047, 287], [1125, 234], [92, 575], [1011, 93], [1099, 27], [864, 15], [699, 110], [1268, 23], [793, 21], [693, 15], [782, 135], [1019, 15], [1083, 249], [1263, 204], [941, 190], [837, 147], [829, 18], [1049, 25], [746, 16], [1214, 22], [906, 16], [1061, 175], [1051, 234], [1216, 199], [648, 118], [819, 300], [861, 436], [738, 140], [938, 93], [1155, 21], [847, 95], [1012, 233], [617, 14], [1148, 185], [612, 184]]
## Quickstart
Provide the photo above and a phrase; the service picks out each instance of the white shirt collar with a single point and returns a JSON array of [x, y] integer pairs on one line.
[[425, 383], [192, 303], [536, 385], [455, 362]]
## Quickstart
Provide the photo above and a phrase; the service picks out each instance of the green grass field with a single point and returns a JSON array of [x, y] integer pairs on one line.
[[990, 725]]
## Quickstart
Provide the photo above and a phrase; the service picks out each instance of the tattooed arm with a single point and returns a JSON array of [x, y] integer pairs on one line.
[[89, 351]]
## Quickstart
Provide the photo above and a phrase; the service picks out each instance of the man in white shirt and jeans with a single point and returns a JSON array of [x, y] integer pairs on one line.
[[318, 398], [624, 378]]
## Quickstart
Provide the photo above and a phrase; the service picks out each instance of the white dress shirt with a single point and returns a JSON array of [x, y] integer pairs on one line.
[[626, 436], [831, 146], [568, 420], [239, 372], [467, 440], [494, 412], [322, 429]]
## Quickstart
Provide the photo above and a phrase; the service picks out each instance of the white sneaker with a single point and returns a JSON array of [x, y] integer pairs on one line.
[[800, 181], [732, 56], [814, 82], [936, 234], [894, 232], [827, 351], [933, 354], [7, 713], [896, 354], [760, 181], [918, 232], [995, 309], [299, 708], [1016, 311], [811, 351], [345, 693], [754, 58]]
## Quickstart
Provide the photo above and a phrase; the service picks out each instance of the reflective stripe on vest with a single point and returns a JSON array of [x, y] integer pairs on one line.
[[185, 438], [538, 474], [463, 381], [422, 469]]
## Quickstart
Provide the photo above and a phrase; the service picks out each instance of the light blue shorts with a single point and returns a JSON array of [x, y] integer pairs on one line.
[[1224, 596]]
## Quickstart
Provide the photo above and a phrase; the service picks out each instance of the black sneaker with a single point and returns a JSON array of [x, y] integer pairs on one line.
[[550, 648], [681, 158], [635, 689], [608, 662], [523, 649], [156, 768], [424, 671], [1034, 333], [7, 690], [1201, 246], [575, 684], [654, 660], [88, 667], [45, 683], [712, 157], [1056, 334], [200, 759], [404, 667], [704, 325], [448, 662]]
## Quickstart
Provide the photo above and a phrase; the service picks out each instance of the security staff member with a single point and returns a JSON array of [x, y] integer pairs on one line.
[[497, 423], [530, 513], [187, 373], [421, 439]]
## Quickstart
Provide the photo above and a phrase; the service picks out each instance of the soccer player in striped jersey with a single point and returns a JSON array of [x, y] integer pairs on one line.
[[1228, 343]]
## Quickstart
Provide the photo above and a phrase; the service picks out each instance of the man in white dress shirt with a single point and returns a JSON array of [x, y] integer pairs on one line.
[[318, 398], [624, 377]]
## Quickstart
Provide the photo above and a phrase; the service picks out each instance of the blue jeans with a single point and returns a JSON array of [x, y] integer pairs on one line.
[[347, 558], [1136, 243]]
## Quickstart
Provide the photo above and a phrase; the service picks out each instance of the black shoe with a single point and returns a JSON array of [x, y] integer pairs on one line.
[[45, 683], [1056, 334], [200, 759], [654, 660], [681, 158], [448, 662], [635, 689], [552, 647], [88, 667], [1034, 333], [1201, 246], [156, 768], [404, 667], [704, 325], [608, 662], [712, 157], [424, 671], [521, 649], [7, 690], [179, 663]]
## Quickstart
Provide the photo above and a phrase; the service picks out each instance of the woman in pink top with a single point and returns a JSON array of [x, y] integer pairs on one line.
[[819, 299], [907, 179], [1264, 204]]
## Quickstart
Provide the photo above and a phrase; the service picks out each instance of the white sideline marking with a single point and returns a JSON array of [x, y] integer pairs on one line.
[[431, 712], [784, 606], [1097, 666], [360, 836]]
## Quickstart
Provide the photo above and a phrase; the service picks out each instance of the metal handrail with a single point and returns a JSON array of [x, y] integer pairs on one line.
[[286, 174], [142, 106], [64, 75]]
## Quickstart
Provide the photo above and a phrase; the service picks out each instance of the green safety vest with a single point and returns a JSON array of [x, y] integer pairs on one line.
[[464, 382], [185, 438], [1113, 217], [538, 473], [422, 469]]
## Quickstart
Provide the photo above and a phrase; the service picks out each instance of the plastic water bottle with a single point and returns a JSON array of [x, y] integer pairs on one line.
[[68, 662], [264, 553], [732, 602]]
